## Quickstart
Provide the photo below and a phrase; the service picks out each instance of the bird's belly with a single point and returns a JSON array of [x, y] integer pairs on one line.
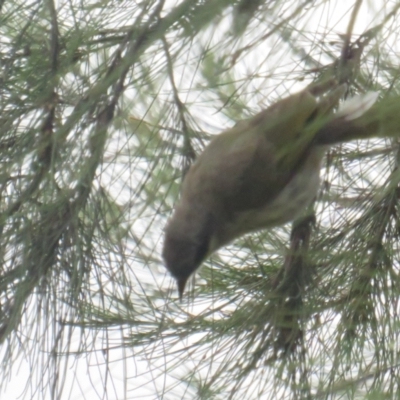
[[288, 205]]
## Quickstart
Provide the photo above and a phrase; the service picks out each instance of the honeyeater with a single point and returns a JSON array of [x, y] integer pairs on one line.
[[261, 173]]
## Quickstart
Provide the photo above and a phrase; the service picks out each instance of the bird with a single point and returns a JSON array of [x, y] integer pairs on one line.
[[261, 173]]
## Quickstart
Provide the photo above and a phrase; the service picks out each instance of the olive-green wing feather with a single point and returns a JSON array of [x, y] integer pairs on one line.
[[248, 165], [241, 168]]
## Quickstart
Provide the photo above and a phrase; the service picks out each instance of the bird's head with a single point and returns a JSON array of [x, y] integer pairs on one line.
[[186, 245]]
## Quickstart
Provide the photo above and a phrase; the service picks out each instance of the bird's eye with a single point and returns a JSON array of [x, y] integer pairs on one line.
[[204, 239]]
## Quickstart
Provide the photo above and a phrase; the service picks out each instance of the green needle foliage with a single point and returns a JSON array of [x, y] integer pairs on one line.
[[103, 107]]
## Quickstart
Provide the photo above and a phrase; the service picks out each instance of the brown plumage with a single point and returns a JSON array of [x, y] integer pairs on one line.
[[261, 173]]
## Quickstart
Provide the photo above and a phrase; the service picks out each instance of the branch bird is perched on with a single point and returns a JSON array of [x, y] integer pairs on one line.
[[261, 173]]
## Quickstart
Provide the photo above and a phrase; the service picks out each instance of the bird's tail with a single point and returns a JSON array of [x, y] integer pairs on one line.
[[361, 117]]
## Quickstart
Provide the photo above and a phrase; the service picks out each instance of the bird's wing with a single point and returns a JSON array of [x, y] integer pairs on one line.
[[248, 165], [241, 167]]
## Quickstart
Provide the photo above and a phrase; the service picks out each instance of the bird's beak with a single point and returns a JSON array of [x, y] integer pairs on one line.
[[181, 287]]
